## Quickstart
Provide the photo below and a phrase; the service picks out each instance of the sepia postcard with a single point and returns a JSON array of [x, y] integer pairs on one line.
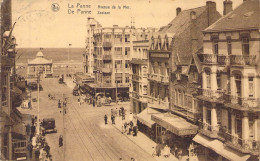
[[130, 80]]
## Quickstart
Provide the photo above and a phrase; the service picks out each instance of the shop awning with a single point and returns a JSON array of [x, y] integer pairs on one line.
[[219, 148], [175, 124], [145, 116]]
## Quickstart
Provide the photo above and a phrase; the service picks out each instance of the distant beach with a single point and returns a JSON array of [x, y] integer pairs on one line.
[[58, 55]]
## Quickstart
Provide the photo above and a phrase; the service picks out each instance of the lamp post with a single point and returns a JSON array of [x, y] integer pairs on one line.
[[38, 113]]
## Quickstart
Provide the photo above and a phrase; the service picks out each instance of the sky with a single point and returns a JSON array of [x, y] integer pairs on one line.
[[37, 25]]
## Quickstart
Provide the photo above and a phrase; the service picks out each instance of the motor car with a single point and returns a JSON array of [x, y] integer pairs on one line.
[[33, 86], [48, 126]]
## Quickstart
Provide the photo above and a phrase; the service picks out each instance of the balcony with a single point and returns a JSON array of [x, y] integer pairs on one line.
[[107, 44], [211, 95], [158, 78], [158, 103], [208, 130], [242, 103], [214, 59], [106, 70], [107, 57], [245, 146], [136, 77], [243, 60]]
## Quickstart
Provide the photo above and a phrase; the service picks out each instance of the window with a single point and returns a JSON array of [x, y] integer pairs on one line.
[[215, 46], [118, 50], [229, 46], [245, 46], [219, 116], [208, 79], [238, 84], [107, 37], [118, 38], [127, 38], [251, 126], [229, 122], [251, 86], [118, 63], [180, 98], [127, 79], [219, 81], [127, 50], [127, 64], [118, 77]]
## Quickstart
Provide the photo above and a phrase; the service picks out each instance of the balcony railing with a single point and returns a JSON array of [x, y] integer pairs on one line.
[[107, 57], [244, 102], [251, 146], [214, 95], [159, 78], [158, 103], [208, 130], [242, 59], [135, 77], [107, 44], [214, 59], [106, 70]]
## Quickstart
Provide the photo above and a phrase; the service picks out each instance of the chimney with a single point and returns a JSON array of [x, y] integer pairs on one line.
[[194, 32], [178, 11], [6, 12], [212, 9], [227, 6]]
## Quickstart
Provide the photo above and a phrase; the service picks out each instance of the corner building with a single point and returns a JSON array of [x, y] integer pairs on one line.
[[111, 61], [230, 128]]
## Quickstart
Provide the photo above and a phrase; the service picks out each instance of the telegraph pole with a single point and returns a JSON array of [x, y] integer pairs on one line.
[[64, 129], [38, 93]]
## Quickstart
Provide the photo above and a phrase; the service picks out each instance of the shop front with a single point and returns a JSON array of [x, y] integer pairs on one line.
[[145, 123], [175, 132], [215, 150]]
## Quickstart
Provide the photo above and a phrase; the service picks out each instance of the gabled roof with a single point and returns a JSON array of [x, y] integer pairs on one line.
[[182, 21], [245, 16]]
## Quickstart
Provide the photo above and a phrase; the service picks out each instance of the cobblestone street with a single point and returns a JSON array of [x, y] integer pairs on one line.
[[86, 135]]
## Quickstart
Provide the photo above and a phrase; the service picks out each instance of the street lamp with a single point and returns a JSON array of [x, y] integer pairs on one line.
[[38, 93]]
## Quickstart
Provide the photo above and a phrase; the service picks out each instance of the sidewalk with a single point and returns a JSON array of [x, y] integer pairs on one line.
[[142, 140]]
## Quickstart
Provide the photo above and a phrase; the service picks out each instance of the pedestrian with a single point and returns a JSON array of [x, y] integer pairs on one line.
[[105, 118], [113, 119], [79, 101], [60, 141], [94, 103], [158, 150], [123, 115], [122, 128], [135, 131], [28, 129], [59, 104], [65, 103]]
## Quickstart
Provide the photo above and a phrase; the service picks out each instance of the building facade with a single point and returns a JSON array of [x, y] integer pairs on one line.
[[175, 75], [10, 132], [230, 88], [88, 55], [139, 69], [111, 59]]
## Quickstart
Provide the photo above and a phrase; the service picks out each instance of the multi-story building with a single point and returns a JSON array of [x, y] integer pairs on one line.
[[230, 89], [174, 74], [111, 58], [139, 69], [88, 55], [11, 131]]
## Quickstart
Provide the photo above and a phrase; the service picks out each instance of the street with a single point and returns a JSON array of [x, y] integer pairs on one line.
[[86, 137]]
